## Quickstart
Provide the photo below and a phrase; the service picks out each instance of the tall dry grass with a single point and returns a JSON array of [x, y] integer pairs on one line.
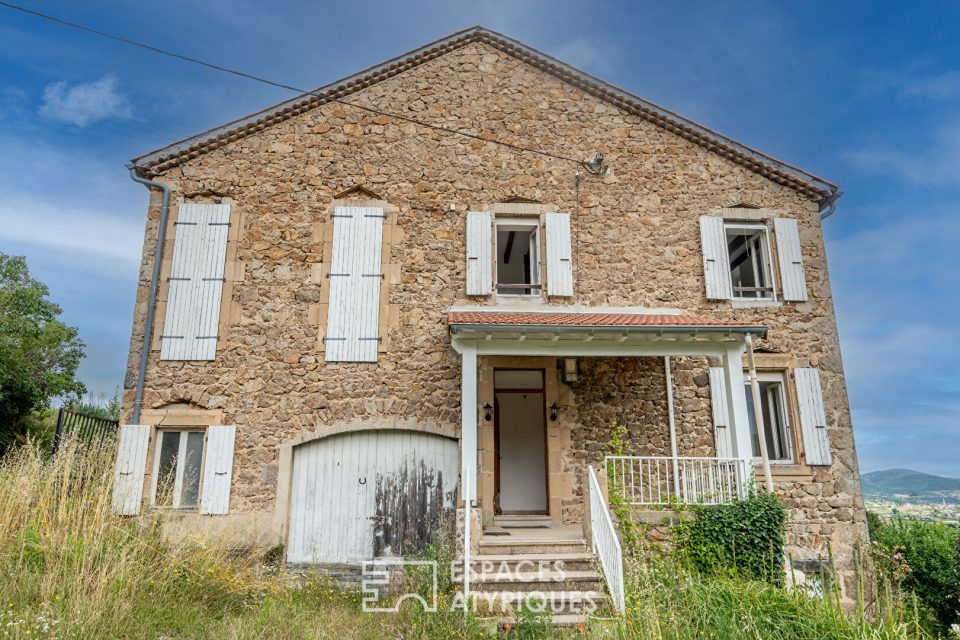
[[69, 568]]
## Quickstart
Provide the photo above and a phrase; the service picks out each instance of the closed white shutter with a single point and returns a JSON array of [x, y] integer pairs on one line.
[[813, 418], [716, 263], [130, 468], [217, 470], [792, 278], [191, 326], [721, 414], [559, 255], [479, 253], [353, 312]]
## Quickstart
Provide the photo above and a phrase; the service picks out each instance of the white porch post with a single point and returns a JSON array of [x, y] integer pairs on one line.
[[468, 421], [737, 407], [673, 426]]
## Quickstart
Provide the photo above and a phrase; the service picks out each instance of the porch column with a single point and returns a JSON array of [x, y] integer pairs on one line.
[[468, 421], [737, 406]]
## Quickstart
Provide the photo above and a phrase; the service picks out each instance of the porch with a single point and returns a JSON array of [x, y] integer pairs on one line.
[[519, 375]]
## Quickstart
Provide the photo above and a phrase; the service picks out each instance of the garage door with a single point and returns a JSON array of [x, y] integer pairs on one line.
[[369, 494]]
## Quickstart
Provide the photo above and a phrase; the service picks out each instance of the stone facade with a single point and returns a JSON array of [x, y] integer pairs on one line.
[[636, 243]]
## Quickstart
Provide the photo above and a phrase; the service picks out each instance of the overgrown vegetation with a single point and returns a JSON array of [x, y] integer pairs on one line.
[[70, 569], [744, 538], [923, 557]]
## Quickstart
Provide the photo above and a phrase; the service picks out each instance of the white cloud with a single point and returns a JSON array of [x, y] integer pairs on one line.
[[934, 161], [938, 87], [85, 103], [111, 240]]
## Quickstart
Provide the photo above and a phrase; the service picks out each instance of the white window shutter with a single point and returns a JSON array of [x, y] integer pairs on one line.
[[792, 277], [716, 263], [130, 468], [479, 253], [813, 418], [217, 470], [721, 414], [191, 325], [353, 311], [559, 255]]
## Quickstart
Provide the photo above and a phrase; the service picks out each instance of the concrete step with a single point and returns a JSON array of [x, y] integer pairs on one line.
[[542, 582], [557, 620], [578, 561], [507, 546], [570, 602]]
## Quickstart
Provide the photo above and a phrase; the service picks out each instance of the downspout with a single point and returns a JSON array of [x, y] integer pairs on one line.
[[758, 415], [828, 206], [154, 284]]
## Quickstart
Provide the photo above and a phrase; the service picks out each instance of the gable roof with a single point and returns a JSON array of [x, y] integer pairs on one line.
[[808, 184]]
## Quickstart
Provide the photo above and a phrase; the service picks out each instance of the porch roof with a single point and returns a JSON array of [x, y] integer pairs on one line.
[[589, 321]]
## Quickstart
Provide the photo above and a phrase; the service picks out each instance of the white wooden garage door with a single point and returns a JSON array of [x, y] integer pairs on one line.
[[369, 494]]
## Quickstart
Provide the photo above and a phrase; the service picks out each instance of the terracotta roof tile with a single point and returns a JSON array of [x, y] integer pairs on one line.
[[559, 318]]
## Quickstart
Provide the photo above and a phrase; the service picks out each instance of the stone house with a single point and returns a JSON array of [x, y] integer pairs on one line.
[[444, 283]]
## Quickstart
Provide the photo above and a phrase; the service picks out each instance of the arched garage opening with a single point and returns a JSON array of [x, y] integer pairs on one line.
[[369, 494]]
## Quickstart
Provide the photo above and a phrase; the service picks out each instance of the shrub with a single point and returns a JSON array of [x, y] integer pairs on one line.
[[931, 553], [744, 537]]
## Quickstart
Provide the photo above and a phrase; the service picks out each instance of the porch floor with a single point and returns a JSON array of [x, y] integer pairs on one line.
[[530, 529]]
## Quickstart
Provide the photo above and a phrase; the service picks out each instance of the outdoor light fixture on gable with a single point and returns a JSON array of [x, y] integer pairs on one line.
[[486, 412], [554, 410], [570, 371]]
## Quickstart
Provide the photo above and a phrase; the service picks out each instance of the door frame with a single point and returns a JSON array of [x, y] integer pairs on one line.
[[542, 390]]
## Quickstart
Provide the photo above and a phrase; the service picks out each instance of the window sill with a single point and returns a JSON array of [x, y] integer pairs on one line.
[[754, 304]]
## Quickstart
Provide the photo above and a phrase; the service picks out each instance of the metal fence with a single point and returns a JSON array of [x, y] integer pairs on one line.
[[664, 480], [85, 427]]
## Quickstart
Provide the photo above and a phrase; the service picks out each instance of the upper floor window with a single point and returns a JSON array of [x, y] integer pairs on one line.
[[748, 252], [738, 260], [518, 256], [504, 254]]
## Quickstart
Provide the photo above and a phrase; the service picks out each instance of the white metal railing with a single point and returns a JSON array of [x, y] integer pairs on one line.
[[605, 543], [666, 480]]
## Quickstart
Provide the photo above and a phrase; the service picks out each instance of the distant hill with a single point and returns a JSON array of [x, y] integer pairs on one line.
[[905, 482]]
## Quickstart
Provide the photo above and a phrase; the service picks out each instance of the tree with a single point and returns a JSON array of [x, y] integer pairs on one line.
[[39, 354]]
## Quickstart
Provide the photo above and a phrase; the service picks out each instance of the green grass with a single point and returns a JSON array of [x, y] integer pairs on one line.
[[70, 569]]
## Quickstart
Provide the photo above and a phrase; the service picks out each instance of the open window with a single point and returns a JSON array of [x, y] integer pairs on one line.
[[518, 256], [748, 251], [773, 404], [177, 466]]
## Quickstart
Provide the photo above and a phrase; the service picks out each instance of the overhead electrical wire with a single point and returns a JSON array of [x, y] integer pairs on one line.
[[593, 167]]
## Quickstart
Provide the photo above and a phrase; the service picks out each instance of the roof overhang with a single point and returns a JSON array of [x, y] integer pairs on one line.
[[589, 333]]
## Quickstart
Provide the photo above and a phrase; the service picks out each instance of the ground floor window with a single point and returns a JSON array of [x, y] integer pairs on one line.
[[178, 461], [773, 404]]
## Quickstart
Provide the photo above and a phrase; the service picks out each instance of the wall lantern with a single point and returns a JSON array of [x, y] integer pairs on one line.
[[570, 371], [554, 410], [486, 412]]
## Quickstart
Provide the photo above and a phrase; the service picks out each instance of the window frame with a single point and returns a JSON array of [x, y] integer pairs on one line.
[[519, 223], [178, 474], [788, 437], [766, 265]]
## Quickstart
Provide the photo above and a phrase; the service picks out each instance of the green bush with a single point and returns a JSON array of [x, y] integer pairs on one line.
[[743, 538], [931, 552]]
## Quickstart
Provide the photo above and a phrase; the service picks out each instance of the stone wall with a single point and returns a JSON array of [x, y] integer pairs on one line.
[[636, 243]]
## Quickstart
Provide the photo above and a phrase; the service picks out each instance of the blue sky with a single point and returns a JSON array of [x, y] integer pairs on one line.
[[865, 94]]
